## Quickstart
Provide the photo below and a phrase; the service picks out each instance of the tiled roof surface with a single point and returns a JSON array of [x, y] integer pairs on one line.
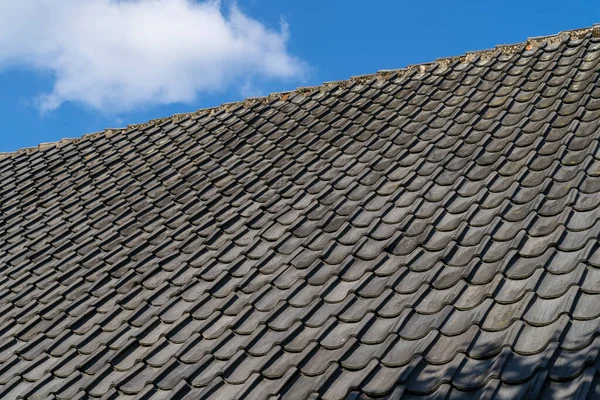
[[425, 233]]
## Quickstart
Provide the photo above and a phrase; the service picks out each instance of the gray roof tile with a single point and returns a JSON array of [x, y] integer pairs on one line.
[[428, 233]]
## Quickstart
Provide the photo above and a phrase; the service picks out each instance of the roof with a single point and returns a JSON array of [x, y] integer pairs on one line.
[[430, 232]]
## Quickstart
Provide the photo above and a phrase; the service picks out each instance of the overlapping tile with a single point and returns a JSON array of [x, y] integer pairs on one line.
[[431, 232]]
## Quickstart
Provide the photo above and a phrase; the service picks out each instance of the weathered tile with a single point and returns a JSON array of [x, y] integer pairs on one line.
[[426, 235]]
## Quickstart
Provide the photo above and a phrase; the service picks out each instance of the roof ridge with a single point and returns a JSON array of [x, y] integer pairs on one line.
[[531, 44]]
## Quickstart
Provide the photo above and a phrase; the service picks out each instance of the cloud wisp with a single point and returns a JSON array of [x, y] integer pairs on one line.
[[117, 55]]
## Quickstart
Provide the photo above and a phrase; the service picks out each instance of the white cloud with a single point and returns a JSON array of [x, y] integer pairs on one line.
[[115, 55]]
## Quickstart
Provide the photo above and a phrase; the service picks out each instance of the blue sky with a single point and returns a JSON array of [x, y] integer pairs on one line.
[[62, 82]]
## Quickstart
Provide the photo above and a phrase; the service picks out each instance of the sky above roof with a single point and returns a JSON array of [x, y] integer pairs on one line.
[[70, 67]]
